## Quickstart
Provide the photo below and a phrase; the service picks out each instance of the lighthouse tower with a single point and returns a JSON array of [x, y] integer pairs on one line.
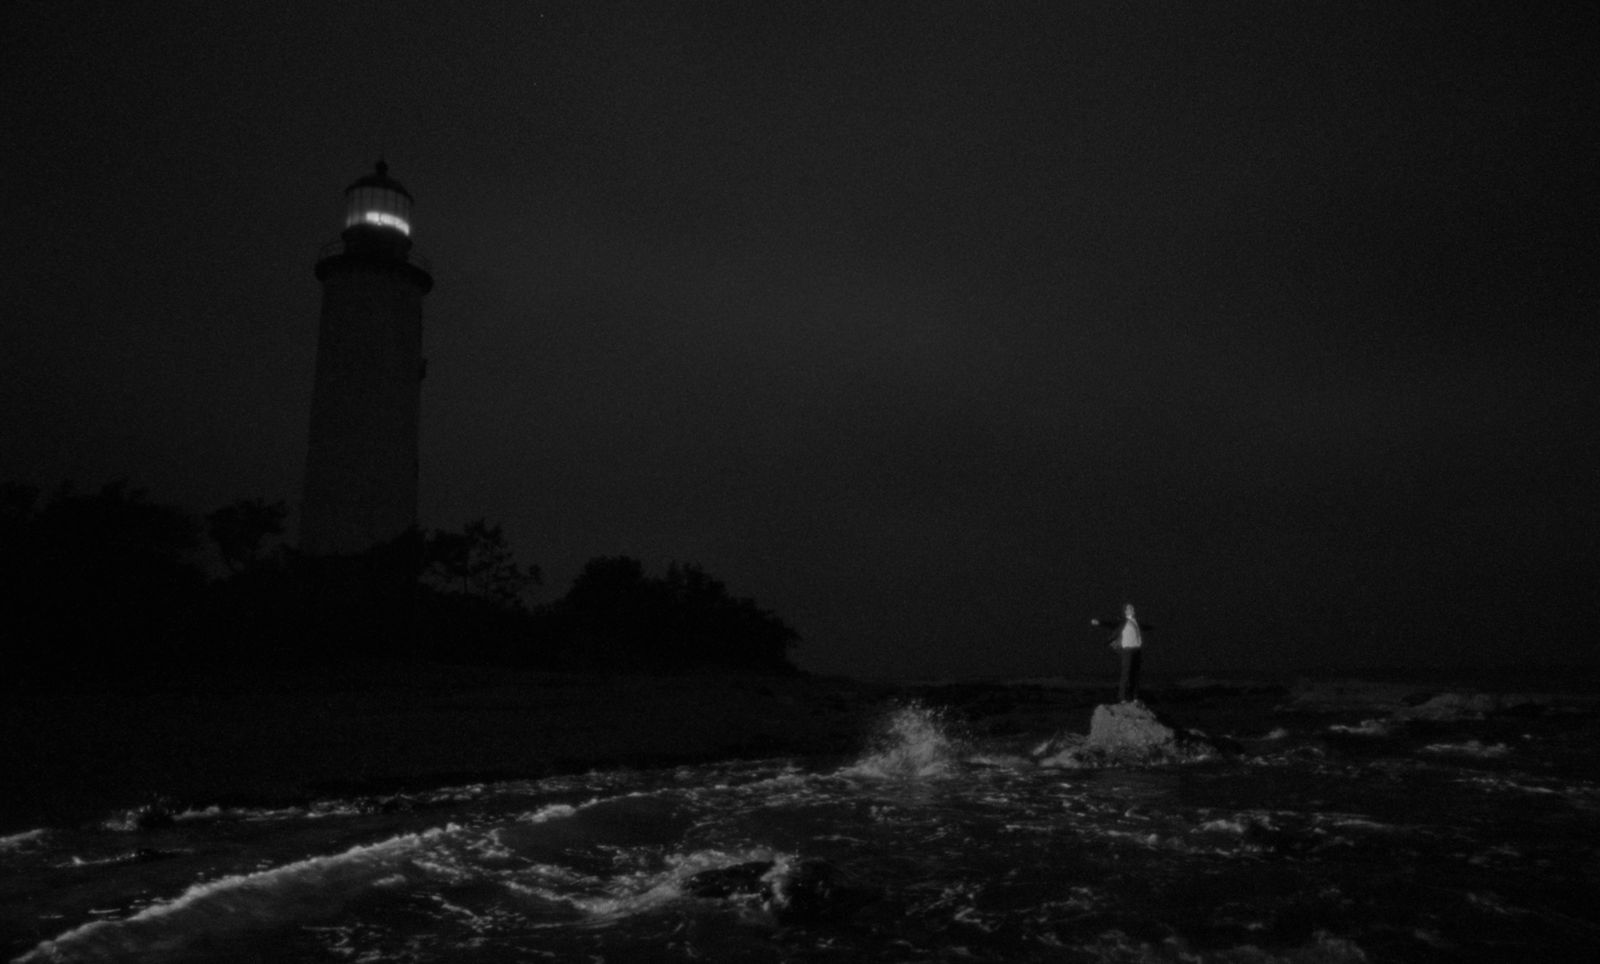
[[361, 466]]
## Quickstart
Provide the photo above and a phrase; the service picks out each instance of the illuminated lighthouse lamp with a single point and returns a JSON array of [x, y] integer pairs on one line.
[[378, 200]]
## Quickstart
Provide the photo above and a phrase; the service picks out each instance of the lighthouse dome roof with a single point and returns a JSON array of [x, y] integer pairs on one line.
[[380, 178]]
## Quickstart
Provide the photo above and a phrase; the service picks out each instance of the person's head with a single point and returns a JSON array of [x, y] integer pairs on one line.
[[1127, 610]]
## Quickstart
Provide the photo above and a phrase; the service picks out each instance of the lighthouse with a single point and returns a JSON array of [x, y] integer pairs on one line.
[[361, 465]]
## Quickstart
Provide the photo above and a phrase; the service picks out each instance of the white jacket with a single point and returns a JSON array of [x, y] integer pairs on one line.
[[1131, 638]]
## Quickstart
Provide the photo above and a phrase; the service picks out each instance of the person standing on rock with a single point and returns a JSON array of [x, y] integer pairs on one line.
[[1129, 641]]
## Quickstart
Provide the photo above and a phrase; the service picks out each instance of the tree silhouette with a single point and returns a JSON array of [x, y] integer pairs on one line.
[[240, 528], [477, 562]]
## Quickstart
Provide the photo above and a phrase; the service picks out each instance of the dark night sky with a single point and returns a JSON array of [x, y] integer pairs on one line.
[[935, 327]]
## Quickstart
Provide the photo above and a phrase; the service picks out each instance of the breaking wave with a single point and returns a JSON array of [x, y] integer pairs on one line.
[[913, 743], [309, 888], [933, 844]]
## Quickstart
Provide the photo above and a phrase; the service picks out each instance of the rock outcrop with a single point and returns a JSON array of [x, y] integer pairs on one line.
[[798, 891], [1126, 734]]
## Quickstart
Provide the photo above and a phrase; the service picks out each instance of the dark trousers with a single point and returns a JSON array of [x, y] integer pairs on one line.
[[1129, 690]]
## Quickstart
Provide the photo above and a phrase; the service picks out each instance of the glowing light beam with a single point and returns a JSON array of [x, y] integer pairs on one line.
[[387, 220]]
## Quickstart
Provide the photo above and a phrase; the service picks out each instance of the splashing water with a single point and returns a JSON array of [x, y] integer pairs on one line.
[[913, 743], [928, 847]]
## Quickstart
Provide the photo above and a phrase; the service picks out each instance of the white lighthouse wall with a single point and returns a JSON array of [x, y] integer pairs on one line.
[[361, 470]]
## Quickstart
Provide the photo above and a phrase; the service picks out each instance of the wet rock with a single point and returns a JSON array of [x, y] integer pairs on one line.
[[158, 814], [1452, 706], [739, 880], [1132, 726], [809, 890], [792, 892], [1062, 742], [1122, 734]]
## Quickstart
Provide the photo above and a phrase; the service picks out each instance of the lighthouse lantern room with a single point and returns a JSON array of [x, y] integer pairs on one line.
[[378, 200]]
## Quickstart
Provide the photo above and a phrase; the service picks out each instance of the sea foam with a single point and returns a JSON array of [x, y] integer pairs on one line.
[[230, 903], [913, 743], [18, 841]]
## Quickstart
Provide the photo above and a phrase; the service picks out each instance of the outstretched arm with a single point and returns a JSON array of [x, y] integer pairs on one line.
[[1144, 627], [1112, 624]]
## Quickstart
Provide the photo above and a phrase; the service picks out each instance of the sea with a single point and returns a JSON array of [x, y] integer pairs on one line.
[[1468, 834]]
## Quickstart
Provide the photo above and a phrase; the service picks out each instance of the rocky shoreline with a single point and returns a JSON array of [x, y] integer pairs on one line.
[[290, 736]]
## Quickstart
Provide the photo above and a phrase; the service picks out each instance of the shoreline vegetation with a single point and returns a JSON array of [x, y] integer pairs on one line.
[[139, 677], [286, 735]]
